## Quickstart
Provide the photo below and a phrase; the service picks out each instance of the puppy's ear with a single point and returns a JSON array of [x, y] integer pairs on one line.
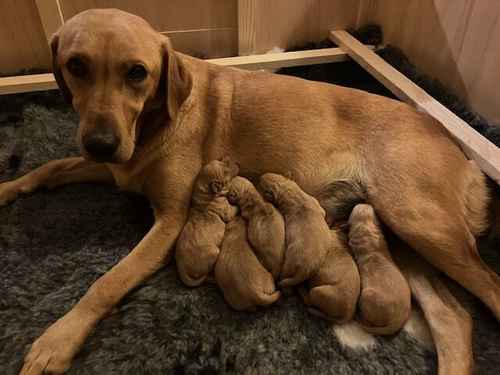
[[56, 69], [216, 186], [178, 80]]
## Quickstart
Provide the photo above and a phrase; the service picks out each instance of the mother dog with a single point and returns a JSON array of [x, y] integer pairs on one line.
[[151, 117]]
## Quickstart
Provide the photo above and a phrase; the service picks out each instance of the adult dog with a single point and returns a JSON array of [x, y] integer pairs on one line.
[[151, 117]]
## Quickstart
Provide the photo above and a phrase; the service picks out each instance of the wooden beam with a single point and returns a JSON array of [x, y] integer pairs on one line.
[[284, 59], [474, 145], [51, 16], [32, 82], [38, 82]]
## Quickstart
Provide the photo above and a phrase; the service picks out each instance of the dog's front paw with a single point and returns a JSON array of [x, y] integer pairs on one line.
[[8, 192], [53, 352]]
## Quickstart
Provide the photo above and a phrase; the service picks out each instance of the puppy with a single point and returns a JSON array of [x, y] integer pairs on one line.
[[334, 289], [265, 225], [307, 234], [197, 248], [385, 301], [245, 283]]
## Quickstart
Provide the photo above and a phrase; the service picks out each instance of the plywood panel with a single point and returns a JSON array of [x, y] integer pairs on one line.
[[22, 40], [455, 41], [282, 23], [167, 15]]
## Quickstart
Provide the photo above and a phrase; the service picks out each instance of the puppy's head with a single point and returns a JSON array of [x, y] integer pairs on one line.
[[114, 67], [238, 188], [272, 185], [215, 177]]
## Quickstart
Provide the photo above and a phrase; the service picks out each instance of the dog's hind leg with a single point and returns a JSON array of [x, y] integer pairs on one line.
[[55, 173], [449, 322], [436, 227]]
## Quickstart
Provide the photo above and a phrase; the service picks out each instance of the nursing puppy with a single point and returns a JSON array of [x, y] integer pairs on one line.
[[385, 301], [334, 289], [265, 225], [307, 234], [245, 283], [197, 248]]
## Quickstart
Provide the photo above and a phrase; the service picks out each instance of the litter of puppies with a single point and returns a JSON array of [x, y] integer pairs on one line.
[[250, 240]]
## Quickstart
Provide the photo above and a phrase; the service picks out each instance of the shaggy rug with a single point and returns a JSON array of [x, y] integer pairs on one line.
[[54, 244]]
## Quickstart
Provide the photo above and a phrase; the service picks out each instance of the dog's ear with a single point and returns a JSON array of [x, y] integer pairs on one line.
[[178, 80], [56, 69]]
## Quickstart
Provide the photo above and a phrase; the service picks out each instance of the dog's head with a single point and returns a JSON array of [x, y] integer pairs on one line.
[[114, 67]]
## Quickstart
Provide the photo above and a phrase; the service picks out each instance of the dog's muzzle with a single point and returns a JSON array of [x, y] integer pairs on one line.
[[101, 144]]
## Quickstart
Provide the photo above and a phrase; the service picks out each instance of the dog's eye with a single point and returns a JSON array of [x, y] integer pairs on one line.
[[268, 195], [137, 73], [77, 67]]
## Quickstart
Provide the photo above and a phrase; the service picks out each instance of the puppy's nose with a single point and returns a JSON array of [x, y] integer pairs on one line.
[[102, 143]]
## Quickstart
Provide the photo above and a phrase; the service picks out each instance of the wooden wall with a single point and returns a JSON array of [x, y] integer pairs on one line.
[[454, 40], [283, 23], [22, 41], [457, 41]]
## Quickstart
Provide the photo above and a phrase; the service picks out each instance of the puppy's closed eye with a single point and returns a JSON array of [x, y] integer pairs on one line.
[[269, 195], [216, 186]]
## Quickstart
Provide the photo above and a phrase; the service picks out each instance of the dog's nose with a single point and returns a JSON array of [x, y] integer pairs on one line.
[[101, 144]]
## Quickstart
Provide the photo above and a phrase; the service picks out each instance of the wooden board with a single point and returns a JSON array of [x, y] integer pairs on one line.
[[32, 82], [485, 153], [38, 82]]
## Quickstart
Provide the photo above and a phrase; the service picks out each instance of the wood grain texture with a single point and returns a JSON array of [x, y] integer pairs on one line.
[[167, 15], [282, 23], [485, 153], [455, 41], [50, 15], [22, 39]]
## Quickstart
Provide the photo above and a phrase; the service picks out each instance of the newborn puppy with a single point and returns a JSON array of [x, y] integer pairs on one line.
[[334, 289], [265, 225], [198, 244], [385, 301], [307, 234], [245, 283]]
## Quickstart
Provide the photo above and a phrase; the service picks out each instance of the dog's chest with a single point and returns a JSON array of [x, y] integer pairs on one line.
[[127, 179]]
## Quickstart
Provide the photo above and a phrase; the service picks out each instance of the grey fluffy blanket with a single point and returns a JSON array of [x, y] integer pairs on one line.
[[54, 244]]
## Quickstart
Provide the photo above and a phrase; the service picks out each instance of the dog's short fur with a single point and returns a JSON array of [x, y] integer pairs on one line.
[[198, 245], [307, 234], [151, 117], [245, 283], [334, 289], [385, 300], [266, 227]]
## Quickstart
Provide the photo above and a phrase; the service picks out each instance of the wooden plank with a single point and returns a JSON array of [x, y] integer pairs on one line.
[[32, 82], [284, 59], [38, 82], [50, 15], [205, 43], [474, 145]]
